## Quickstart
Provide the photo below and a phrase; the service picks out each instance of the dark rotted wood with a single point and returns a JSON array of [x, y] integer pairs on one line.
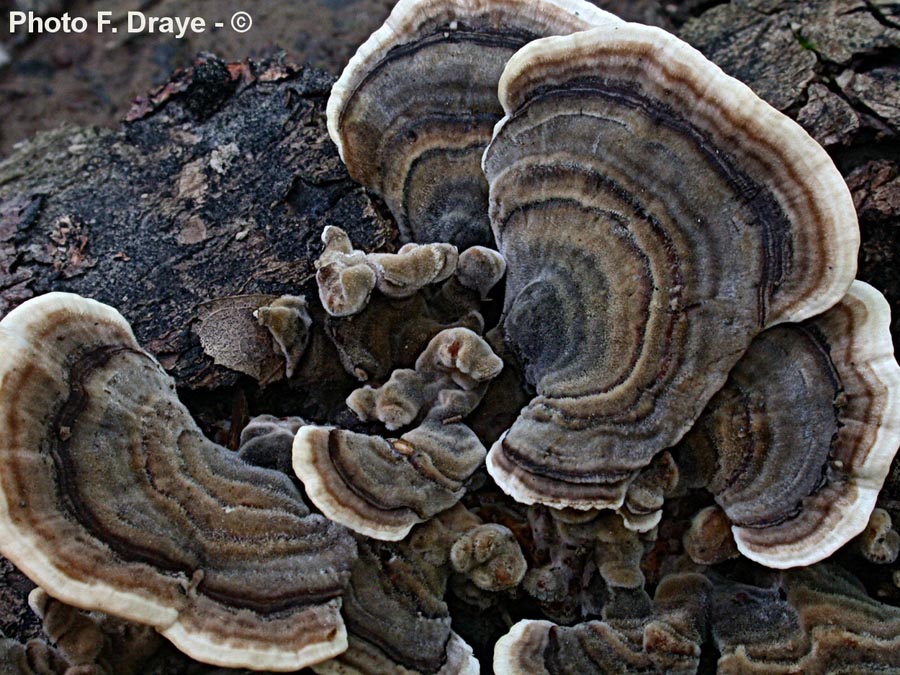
[[220, 185]]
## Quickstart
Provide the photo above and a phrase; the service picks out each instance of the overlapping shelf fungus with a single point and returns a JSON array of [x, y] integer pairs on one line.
[[613, 397]]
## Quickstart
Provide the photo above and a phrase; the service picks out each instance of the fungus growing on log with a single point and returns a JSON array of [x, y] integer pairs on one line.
[[413, 110], [655, 215], [394, 606], [662, 638], [346, 276], [816, 620], [112, 499], [801, 437], [382, 487]]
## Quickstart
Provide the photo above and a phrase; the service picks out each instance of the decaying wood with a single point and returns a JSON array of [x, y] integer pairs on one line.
[[219, 185]]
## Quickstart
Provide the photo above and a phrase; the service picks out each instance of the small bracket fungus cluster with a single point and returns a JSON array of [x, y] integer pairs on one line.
[[346, 277], [700, 382], [382, 487]]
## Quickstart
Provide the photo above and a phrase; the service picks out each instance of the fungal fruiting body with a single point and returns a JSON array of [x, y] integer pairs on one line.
[[418, 145], [801, 437], [382, 487], [655, 215], [112, 499], [677, 262]]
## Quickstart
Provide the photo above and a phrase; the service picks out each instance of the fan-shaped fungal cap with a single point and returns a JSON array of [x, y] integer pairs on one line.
[[413, 110], [462, 355], [112, 499], [804, 432], [382, 487], [655, 215]]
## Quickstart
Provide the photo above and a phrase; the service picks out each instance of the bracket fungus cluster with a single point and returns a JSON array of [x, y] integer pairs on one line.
[[346, 277], [702, 383], [382, 487]]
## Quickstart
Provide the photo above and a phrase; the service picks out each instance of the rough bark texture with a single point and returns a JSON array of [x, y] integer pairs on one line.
[[834, 66], [223, 179], [220, 186]]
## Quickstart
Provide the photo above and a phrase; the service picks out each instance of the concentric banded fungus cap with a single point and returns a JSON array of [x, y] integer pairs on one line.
[[414, 109], [381, 487], [655, 215], [112, 499], [804, 431]]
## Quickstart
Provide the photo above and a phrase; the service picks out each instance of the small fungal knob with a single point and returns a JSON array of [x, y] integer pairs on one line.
[[490, 556], [288, 322], [480, 269], [879, 542], [709, 541]]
